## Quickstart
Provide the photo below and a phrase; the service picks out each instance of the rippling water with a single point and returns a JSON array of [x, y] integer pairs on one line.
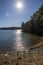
[[15, 40]]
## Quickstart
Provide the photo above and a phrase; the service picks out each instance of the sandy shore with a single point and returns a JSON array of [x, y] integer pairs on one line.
[[27, 57]]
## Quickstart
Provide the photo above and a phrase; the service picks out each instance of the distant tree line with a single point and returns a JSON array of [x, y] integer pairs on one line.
[[10, 28], [35, 24]]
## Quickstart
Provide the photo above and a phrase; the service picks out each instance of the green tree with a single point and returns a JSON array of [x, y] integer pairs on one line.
[[35, 25]]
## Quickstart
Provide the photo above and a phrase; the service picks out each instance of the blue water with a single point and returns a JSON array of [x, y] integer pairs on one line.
[[15, 40]]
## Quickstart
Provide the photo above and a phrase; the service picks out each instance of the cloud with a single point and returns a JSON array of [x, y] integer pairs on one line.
[[7, 14]]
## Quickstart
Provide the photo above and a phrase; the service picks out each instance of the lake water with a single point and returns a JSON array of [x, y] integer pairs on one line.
[[15, 40]]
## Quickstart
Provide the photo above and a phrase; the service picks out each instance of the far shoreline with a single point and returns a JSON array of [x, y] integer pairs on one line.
[[10, 28]]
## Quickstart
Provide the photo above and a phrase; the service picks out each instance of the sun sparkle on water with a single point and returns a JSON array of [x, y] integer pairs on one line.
[[18, 41], [18, 32]]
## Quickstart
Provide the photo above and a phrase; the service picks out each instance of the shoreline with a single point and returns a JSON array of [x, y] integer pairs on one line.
[[28, 50], [28, 57]]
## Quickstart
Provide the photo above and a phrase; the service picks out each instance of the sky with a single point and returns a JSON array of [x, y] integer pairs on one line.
[[14, 12]]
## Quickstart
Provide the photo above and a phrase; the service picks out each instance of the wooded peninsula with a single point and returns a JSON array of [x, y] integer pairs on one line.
[[35, 24]]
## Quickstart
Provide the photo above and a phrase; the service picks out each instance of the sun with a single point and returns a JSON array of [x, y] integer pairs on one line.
[[19, 5]]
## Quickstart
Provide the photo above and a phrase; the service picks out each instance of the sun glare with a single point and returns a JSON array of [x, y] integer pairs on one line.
[[18, 31], [19, 5]]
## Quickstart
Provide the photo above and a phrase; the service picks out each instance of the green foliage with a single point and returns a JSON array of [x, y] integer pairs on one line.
[[35, 25]]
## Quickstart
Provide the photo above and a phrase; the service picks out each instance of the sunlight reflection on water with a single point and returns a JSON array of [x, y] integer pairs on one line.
[[16, 40], [18, 44]]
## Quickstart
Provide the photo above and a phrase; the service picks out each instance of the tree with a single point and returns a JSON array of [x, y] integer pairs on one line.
[[35, 25]]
